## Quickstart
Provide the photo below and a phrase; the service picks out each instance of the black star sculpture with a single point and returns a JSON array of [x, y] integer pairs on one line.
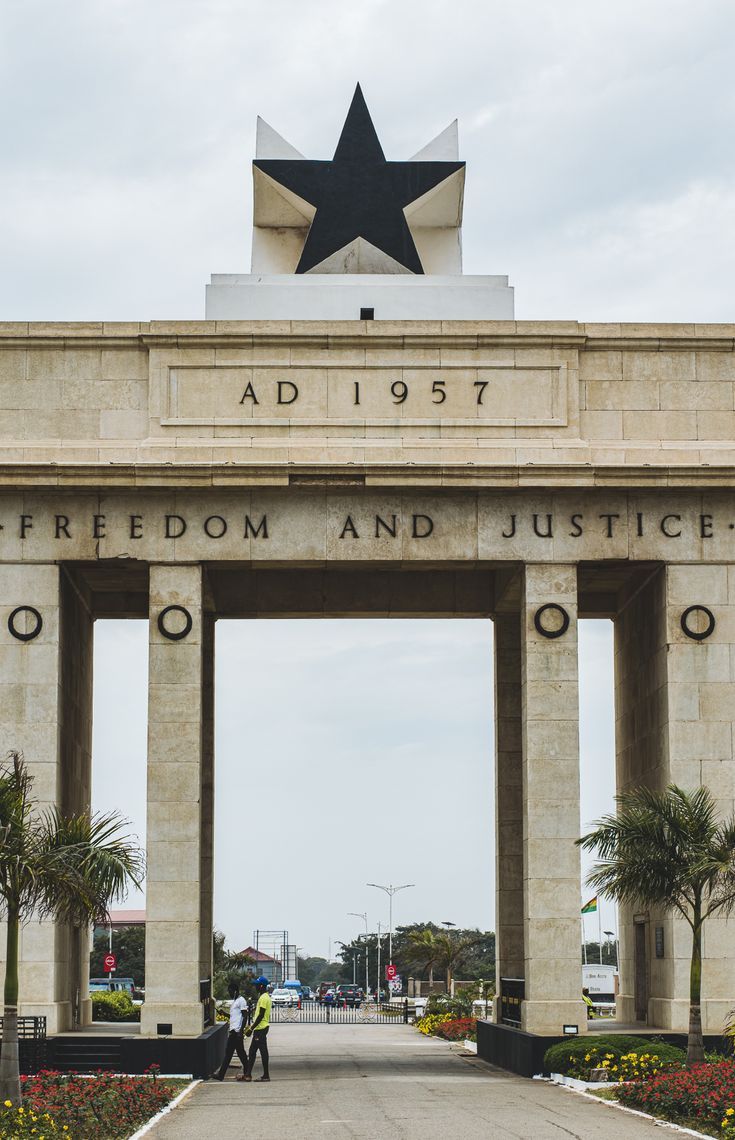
[[358, 194]]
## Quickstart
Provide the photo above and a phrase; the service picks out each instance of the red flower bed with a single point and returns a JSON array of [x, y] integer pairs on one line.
[[101, 1107], [704, 1095], [458, 1030]]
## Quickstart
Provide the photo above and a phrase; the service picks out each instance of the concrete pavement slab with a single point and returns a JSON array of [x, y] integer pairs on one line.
[[375, 1082]]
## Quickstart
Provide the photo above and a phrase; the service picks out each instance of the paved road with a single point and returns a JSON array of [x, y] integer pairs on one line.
[[375, 1082]]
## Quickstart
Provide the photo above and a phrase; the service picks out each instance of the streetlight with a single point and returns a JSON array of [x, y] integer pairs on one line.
[[356, 914], [610, 934], [446, 922], [390, 890]]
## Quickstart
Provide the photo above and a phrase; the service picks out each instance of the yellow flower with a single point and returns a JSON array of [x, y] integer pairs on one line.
[[587, 1057], [730, 1112], [8, 1104]]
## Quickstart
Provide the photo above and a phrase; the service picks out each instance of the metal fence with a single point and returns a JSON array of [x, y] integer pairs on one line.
[[512, 993], [366, 1013], [31, 1043]]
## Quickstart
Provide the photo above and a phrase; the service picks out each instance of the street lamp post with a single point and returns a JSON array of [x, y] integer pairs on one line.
[[390, 890], [356, 914], [611, 934]]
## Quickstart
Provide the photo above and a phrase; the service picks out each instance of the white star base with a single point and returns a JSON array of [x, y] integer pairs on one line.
[[340, 297]]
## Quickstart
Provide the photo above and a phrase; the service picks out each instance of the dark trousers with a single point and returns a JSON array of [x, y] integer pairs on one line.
[[259, 1042], [234, 1044]]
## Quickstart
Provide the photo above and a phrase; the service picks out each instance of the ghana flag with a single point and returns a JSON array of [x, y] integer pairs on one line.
[[590, 907]]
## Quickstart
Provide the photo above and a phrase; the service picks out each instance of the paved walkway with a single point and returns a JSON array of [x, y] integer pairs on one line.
[[374, 1082]]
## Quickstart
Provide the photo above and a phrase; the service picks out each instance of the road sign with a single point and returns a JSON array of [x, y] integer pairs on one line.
[[110, 962], [391, 972]]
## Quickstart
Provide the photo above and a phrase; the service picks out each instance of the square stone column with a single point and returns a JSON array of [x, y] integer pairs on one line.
[[551, 807], [675, 720], [46, 713], [180, 719], [509, 946]]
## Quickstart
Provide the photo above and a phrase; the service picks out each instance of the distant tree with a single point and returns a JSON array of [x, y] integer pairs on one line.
[[229, 967], [311, 969], [454, 946], [423, 951], [128, 946], [591, 953]]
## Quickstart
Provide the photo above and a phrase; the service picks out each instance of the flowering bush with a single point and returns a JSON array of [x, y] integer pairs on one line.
[[702, 1097], [106, 1106], [577, 1056], [460, 1029], [25, 1124], [431, 1022]]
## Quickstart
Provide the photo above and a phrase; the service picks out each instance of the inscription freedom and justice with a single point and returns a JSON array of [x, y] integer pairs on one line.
[[483, 525]]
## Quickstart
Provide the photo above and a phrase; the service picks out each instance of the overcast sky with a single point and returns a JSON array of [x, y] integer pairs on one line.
[[598, 138]]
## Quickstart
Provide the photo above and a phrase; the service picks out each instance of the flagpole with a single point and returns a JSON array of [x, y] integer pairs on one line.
[[599, 924], [584, 941]]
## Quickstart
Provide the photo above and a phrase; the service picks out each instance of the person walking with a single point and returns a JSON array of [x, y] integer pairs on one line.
[[259, 1031], [238, 1009]]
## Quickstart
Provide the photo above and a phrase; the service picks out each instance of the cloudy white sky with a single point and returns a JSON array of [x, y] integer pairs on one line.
[[598, 138]]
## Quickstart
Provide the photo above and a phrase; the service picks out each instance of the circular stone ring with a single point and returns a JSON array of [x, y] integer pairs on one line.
[[174, 635], [697, 634], [28, 635], [560, 612]]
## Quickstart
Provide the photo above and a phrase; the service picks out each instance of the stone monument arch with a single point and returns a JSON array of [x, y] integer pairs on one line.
[[359, 428]]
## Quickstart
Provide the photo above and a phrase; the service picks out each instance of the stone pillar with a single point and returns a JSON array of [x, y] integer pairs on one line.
[[675, 718], [178, 901], [551, 824], [46, 713], [509, 950]]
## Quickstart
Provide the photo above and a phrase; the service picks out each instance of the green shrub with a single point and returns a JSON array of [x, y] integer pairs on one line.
[[570, 1056], [117, 1006], [458, 1006]]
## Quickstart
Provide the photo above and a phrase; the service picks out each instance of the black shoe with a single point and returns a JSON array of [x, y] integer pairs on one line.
[[218, 1076]]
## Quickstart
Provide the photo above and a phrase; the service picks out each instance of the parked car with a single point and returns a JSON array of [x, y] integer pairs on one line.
[[114, 985], [285, 997], [324, 989], [307, 993], [350, 996]]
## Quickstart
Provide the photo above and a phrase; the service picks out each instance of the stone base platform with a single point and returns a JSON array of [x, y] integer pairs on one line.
[[123, 1049]]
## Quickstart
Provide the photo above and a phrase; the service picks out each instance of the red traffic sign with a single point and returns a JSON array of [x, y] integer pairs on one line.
[[110, 962], [391, 972]]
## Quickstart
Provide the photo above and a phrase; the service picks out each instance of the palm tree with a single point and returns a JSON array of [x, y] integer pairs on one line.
[[423, 951], [453, 947], [669, 850], [69, 868]]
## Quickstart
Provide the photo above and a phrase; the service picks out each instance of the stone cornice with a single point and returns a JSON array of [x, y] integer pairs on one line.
[[120, 476], [464, 334]]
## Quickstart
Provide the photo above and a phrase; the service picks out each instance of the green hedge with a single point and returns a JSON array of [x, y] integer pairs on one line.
[[117, 1006], [558, 1058]]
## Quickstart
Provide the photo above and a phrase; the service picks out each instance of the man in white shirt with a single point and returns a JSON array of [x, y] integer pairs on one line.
[[238, 1010]]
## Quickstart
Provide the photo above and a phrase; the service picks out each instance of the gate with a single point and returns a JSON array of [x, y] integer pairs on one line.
[[366, 1013]]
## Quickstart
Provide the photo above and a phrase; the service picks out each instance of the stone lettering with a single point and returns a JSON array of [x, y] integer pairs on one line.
[[390, 527], [422, 526], [61, 526], [664, 523], [541, 534], [136, 526], [349, 527], [261, 530], [26, 524], [284, 384], [576, 520], [171, 521], [249, 394], [512, 531], [215, 526], [705, 526], [609, 530], [98, 526]]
